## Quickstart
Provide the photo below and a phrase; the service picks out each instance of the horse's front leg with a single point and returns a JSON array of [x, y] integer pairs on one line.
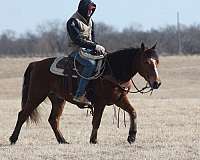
[[98, 111], [125, 105]]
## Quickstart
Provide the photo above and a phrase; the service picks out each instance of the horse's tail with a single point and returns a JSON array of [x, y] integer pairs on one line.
[[34, 116], [25, 86]]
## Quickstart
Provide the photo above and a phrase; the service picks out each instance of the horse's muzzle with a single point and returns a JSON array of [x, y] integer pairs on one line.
[[156, 84]]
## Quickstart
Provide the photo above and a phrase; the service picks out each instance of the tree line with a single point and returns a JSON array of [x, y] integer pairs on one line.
[[50, 39]]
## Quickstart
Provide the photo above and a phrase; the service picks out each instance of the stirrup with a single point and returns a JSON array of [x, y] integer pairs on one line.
[[82, 100]]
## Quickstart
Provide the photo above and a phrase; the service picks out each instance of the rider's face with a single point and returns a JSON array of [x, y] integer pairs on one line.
[[91, 9]]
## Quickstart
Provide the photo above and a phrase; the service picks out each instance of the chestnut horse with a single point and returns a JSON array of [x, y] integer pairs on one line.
[[40, 83]]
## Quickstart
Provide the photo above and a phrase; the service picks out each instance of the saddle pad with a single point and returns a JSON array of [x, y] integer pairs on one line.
[[59, 65], [62, 65]]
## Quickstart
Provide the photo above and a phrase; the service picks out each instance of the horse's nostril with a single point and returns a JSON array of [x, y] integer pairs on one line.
[[156, 85]]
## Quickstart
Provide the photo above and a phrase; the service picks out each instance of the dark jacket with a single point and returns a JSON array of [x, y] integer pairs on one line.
[[80, 27]]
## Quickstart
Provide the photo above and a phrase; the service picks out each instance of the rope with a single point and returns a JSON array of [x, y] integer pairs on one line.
[[124, 118], [116, 116], [96, 76]]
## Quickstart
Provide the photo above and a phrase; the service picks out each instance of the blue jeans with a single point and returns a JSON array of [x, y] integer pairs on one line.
[[89, 68]]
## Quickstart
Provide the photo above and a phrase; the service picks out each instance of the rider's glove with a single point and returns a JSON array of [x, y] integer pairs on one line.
[[100, 49]]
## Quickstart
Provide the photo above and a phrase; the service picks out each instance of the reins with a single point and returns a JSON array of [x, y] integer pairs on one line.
[[142, 91]]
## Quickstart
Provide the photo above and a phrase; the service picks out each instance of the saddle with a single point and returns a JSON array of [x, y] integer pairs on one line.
[[70, 70], [63, 66]]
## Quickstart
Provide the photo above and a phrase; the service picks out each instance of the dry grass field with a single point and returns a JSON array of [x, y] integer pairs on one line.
[[168, 121]]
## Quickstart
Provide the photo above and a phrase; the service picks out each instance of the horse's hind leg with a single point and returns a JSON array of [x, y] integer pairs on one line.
[[28, 110], [54, 118], [125, 105]]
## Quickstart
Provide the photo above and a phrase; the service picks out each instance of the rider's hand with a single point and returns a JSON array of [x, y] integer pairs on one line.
[[100, 49]]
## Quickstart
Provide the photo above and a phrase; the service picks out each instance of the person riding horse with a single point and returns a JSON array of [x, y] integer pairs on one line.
[[80, 29]]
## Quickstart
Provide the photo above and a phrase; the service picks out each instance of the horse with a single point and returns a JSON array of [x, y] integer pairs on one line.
[[39, 84]]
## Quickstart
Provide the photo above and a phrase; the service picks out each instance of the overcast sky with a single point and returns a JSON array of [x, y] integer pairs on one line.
[[25, 15]]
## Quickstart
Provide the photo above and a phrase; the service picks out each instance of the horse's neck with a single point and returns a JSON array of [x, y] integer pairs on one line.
[[134, 65], [123, 67]]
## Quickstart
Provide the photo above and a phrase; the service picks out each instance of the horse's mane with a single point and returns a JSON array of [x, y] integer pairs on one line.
[[121, 62], [124, 51]]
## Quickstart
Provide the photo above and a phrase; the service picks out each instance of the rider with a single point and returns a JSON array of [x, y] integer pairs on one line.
[[80, 28]]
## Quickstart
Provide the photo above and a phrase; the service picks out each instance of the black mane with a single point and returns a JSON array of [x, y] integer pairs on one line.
[[120, 63]]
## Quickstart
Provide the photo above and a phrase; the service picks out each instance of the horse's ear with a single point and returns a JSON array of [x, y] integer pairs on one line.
[[154, 46], [142, 46]]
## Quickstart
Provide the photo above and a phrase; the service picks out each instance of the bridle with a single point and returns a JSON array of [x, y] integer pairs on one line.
[[142, 91]]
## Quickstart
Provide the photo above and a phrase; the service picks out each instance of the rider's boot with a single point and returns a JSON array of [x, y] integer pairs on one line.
[[82, 99]]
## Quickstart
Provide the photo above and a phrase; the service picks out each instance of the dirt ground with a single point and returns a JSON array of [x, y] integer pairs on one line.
[[168, 121]]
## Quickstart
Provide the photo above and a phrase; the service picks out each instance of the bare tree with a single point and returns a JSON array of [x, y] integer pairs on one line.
[[50, 39]]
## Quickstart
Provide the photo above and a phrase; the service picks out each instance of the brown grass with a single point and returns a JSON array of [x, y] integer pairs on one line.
[[168, 121]]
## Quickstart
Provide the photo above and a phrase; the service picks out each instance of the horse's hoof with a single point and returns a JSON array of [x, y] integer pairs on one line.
[[12, 140], [62, 141], [93, 141], [131, 139], [65, 142]]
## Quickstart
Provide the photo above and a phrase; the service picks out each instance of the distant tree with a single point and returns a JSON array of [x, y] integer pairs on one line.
[[191, 39], [50, 39], [7, 40]]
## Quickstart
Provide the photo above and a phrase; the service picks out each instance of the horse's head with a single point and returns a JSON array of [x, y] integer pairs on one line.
[[149, 66]]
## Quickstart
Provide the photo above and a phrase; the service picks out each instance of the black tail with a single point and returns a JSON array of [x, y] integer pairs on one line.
[[25, 87], [34, 116]]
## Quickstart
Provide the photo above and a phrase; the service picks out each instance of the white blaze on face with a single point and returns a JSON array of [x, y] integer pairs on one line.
[[155, 67]]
